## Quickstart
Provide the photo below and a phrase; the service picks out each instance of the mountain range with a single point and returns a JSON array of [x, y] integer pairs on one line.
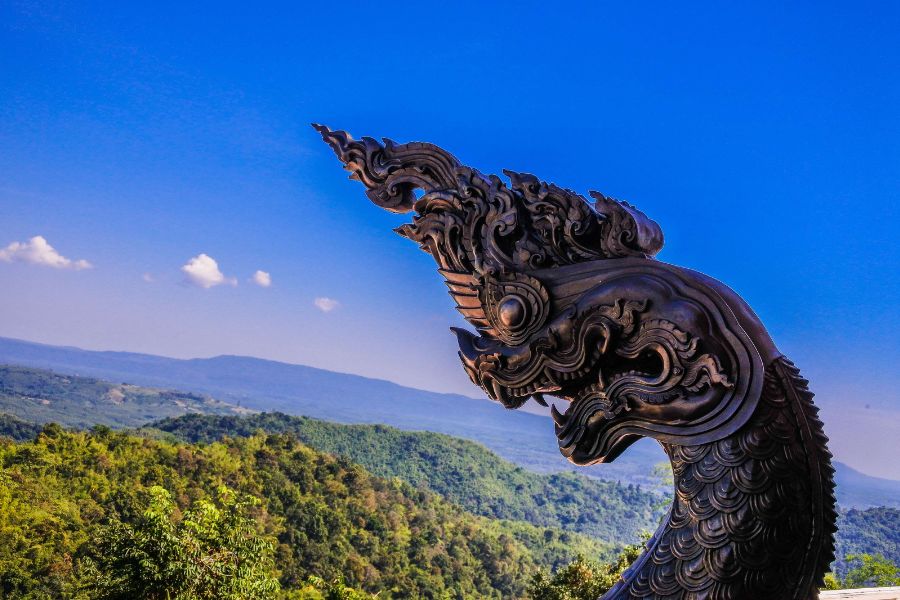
[[246, 383]]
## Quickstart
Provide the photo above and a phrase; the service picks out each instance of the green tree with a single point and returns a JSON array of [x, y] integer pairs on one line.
[[212, 552], [867, 570], [317, 588], [582, 579]]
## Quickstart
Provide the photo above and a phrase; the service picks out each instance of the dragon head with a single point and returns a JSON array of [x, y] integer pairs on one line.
[[567, 300]]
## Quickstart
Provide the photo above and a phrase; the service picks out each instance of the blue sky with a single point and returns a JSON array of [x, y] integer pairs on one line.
[[765, 139]]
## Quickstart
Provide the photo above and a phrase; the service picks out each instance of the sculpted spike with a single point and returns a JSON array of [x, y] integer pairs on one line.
[[627, 228], [567, 300], [392, 172]]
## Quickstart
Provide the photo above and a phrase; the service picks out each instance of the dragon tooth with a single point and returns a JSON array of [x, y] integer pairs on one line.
[[559, 418]]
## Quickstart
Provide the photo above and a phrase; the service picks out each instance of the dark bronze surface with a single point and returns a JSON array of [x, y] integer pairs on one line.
[[567, 300]]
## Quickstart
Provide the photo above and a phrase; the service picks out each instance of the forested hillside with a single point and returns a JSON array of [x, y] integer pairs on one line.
[[483, 483], [463, 472], [41, 396], [325, 516], [17, 429], [871, 531]]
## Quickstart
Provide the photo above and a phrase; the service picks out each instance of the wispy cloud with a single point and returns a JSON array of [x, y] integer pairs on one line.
[[262, 279], [203, 271], [148, 278], [38, 251], [326, 304]]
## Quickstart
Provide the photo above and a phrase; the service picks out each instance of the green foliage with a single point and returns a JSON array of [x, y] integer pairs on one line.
[[442, 518], [463, 472], [582, 579], [663, 472], [17, 429], [317, 588], [212, 551], [80, 511], [870, 531], [40, 396], [865, 570], [831, 582], [471, 476]]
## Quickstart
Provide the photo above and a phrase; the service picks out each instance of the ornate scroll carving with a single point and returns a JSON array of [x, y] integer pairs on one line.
[[475, 224], [567, 300]]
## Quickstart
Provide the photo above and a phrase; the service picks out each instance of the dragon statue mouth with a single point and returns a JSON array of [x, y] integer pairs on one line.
[[567, 300], [545, 365]]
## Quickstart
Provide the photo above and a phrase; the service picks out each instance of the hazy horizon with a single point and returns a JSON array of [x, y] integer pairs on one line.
[[838, 444]]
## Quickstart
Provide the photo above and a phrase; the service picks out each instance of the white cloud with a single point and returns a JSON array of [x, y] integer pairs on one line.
[[37, 251], [203, 271], [326, 304], [262, 279], [148, 277]]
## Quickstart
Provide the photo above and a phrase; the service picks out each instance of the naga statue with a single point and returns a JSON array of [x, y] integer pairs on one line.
[[568, 300]]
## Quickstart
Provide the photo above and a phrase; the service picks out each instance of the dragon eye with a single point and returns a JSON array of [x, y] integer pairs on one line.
[[512, 311], [515, 306]]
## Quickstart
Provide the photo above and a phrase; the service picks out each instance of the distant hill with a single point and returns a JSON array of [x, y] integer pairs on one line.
[[522, 438], [463, 472], [858, 490], [39, 396], [16, 429]]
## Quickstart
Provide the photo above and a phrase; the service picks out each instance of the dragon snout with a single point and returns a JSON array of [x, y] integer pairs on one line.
[[489, 364], [478, 360]]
